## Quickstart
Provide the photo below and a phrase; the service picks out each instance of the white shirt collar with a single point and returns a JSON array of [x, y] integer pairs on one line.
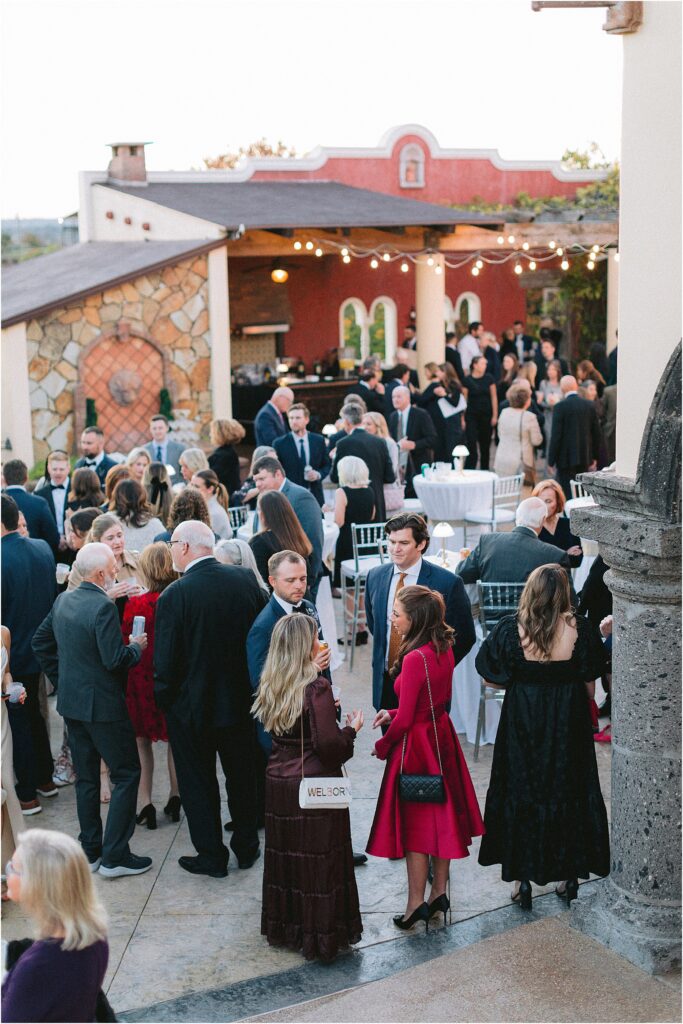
[[196, 561], [413, 571], [15, 487], [96, 460], [284, 604], [570, 393]]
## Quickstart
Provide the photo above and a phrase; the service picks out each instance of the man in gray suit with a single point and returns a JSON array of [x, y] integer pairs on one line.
[[160, 448], [511, 557], [270, 476], [80, 649]]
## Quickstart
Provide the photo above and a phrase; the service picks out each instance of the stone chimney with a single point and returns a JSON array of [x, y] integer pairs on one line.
[[128, 163]]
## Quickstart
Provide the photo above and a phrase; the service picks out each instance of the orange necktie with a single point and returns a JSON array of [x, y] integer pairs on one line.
[[395, 637]]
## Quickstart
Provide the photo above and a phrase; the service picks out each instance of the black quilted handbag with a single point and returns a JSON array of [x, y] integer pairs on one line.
[[423, 789]]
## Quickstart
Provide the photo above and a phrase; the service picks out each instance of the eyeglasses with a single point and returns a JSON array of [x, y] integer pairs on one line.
[[172, 542], [11, 870]]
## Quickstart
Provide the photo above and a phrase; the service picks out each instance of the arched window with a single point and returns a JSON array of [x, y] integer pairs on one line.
[[382, 332], [353, 326], [412, 166], [467, 308]]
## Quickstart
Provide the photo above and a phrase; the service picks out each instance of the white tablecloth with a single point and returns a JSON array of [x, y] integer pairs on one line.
[[591, 548], [448, 500]]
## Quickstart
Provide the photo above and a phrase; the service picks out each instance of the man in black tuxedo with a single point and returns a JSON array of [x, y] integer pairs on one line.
[[41, 525], [546, 354], [201, 682], [372, 450], [28, 592], [526, 347], [94, 457], [80, 649], [409, 338], [575, 440], [511, 557], [303, 455], [452, 355], [415, 433], [55, 491]]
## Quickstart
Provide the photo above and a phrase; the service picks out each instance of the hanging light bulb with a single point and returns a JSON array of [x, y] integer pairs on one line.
[[591, 265], [532, 264], [374, 263], [405, 268], [518, 268], [475, 271], [500, 239], [278, 274], [511, 239], [386, 257], [560, 251], [309, 245], [616, 257], [430, 261], [596, 248], [479, 264], [345, 252], [551, 245], [438, 269], [565, 264], [297, 245], [318, 251], [525, 246], [346, 259]]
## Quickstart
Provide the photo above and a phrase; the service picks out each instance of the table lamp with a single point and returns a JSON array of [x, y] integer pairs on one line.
[[443, 530], [460, 452], [329, 429]]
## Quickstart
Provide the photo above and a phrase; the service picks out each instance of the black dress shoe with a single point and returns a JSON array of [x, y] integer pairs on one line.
[[358, 859], [247, 862], [196, 866]]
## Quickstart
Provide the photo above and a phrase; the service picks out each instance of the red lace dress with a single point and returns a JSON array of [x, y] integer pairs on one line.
[[441, 830], [148, 722]]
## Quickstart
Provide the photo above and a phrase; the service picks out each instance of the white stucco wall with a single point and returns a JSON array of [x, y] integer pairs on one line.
[[164, 223], [16, 405], [219, 327], [650, 220]]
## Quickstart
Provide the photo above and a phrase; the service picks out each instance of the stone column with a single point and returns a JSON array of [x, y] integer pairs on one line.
[[612, 299], [637, 911], [430, 292], [219, 326]]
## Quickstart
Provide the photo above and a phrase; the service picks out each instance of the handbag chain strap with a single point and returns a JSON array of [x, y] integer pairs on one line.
[[436, 735]]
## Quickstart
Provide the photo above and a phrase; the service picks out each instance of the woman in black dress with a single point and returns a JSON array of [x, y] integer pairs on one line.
[[354, 502], [443, 384], [482, 412], [224, 460], [545, 816], [280, 530], [556, 529]]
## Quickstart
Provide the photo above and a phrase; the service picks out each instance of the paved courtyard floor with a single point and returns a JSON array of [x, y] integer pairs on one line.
[[174, 935]]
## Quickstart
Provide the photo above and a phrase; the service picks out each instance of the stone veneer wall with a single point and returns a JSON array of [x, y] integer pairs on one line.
[[170, 305]]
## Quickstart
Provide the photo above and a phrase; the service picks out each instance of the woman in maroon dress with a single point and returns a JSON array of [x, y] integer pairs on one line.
[[417, 831], [310, 899], [156, 572]]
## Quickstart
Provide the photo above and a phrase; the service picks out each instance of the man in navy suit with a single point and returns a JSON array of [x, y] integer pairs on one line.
[[270, 419], [269, 475], [408, 540], [94, 457], [29, 589], [303, 455], [41, 525]]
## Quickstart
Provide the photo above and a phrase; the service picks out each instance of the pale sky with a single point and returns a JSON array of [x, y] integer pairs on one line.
[[197, 77]]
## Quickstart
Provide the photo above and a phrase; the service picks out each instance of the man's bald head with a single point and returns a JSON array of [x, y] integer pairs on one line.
[[96, 564], [568, 383], [282, 399], [191, 540]]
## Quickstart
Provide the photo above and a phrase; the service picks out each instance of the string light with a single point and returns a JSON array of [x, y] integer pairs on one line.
[[532, 264], [616, 257], [386, 257], [297, 245], [405, 268], [525, 246], [596, 248], [430, 261], [309, 245], [438, 269], [475, 271], [374, 263], [560, 251], [565, 264], [500, 239], [590, 265], [345, 252], [551, 245], [511, 239], [318, 251], [346, 259], [518, 268], [479, 264]]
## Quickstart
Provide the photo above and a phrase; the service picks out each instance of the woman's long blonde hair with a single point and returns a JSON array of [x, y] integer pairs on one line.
[[287, 672], [545, 602], [57, 889]]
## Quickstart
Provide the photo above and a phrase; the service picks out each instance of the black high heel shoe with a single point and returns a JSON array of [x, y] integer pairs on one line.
[[441, 905], [172, 808], [420, 914], [524, 895], [148, 816]]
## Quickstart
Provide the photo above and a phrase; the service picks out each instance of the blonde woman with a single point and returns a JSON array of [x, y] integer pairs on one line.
[[60, 975], [224, 460], [191, 461], [354, 502], [394, 494], [310, 900], [216, 497], [237, 552], [138, 461], [545, 816]]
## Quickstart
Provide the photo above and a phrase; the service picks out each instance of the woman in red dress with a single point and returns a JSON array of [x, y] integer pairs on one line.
[[418, 831], [156, 572]]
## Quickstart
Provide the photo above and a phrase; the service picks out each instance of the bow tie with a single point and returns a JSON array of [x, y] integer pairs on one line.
[[58, 487], [91, 462], [300, 607]]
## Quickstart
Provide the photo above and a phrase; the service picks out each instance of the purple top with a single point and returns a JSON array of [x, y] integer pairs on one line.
[[48, 983]]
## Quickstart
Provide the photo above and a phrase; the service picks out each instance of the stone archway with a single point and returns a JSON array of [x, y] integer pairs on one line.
[[123, 371], [638, 525]]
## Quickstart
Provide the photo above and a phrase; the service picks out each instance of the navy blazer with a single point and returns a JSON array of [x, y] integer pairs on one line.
[[29, 589], [102, 469], [39, 519], [287, 449], [268, 425], [458, 614]]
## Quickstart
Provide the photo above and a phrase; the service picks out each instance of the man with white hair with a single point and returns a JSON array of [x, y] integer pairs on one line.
[[201, 682], [270, 420], [511, 557], [575, 439], [372, 450], [80, 649], [414, 431]]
